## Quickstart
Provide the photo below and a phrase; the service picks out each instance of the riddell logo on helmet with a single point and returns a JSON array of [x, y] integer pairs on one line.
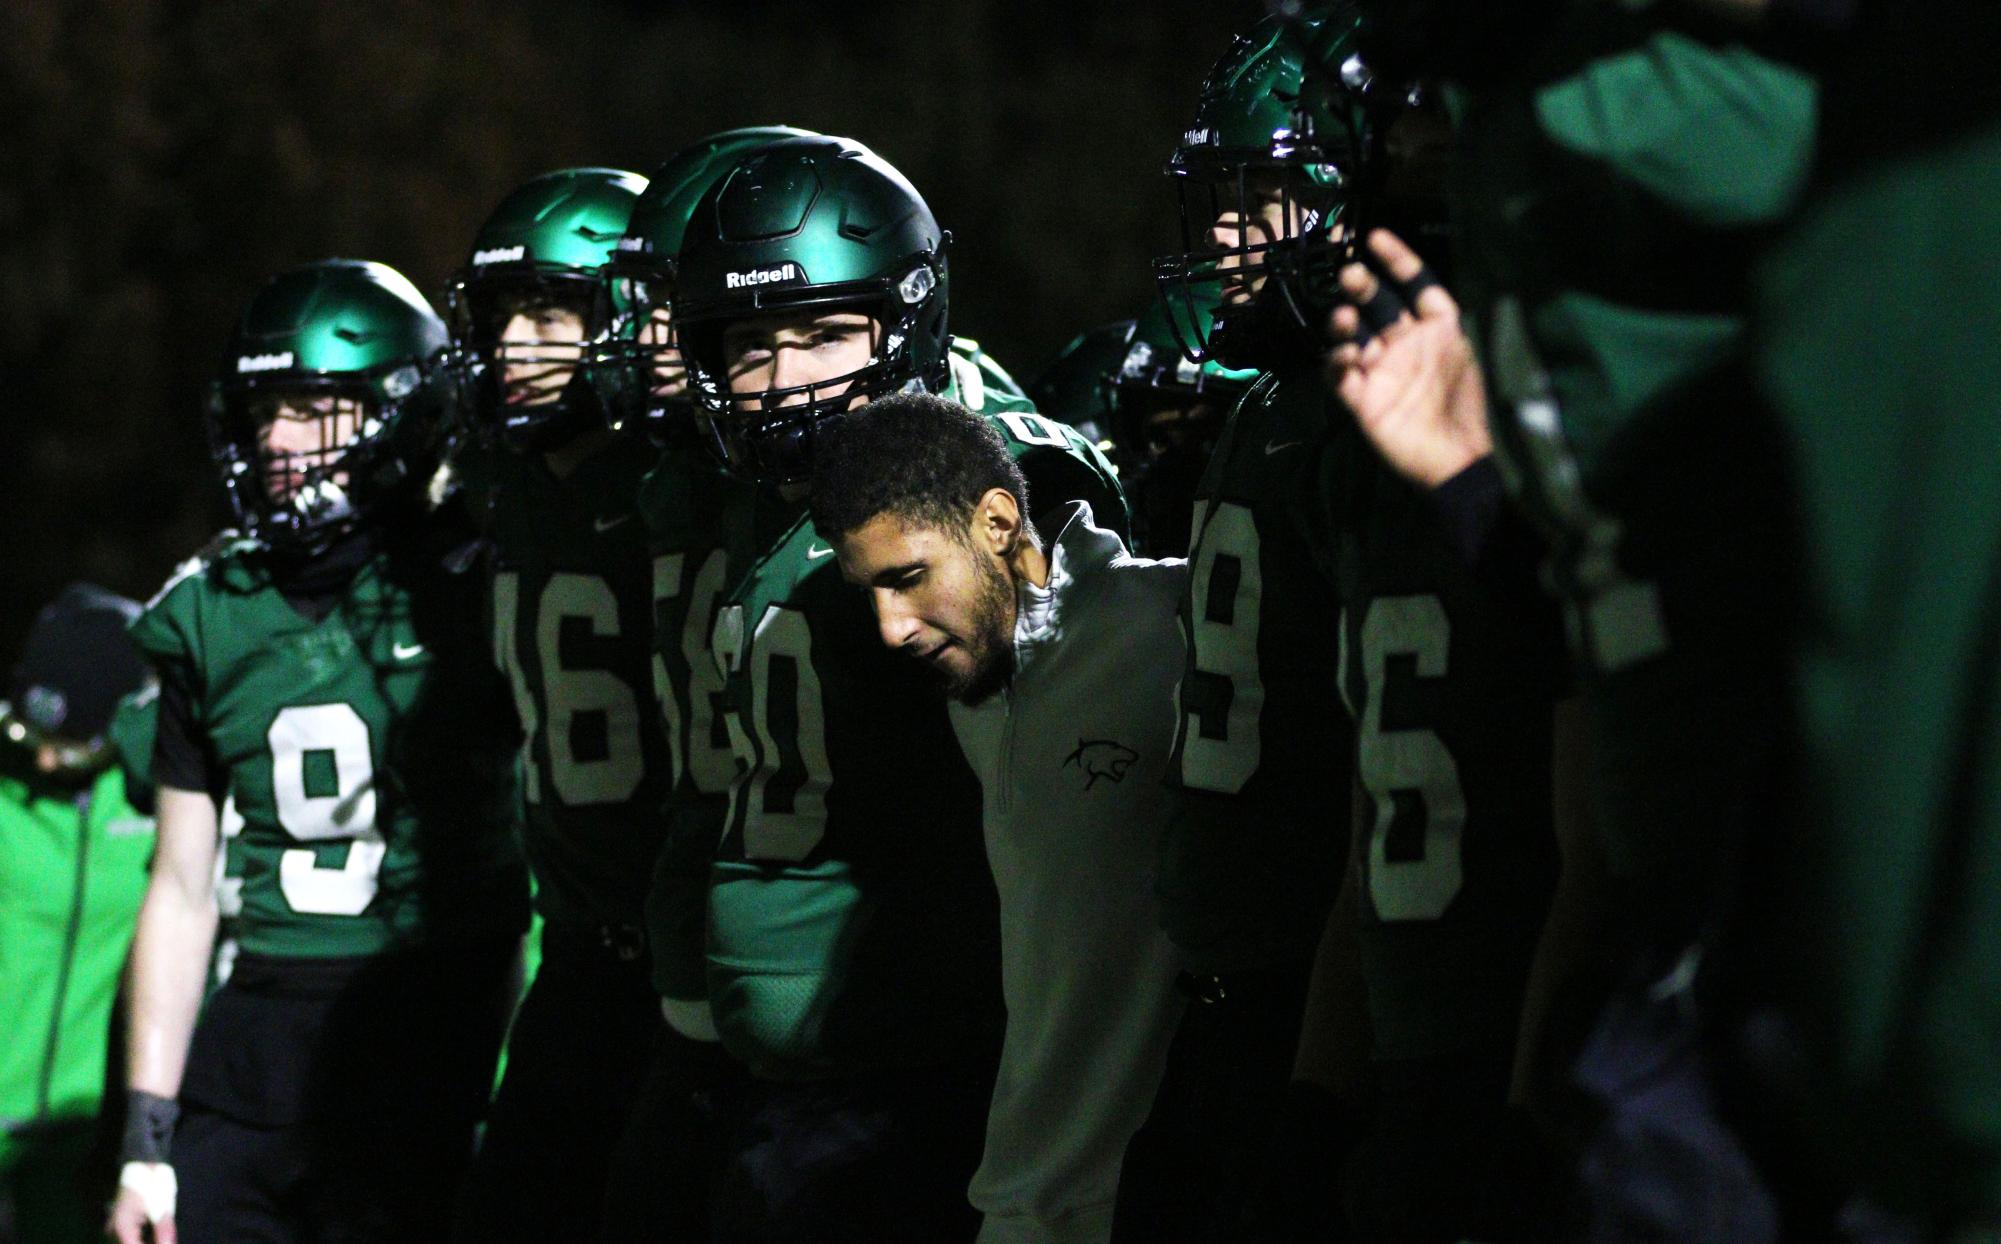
[[499, 254], [263, 362], [1199, 137], [777, 274]]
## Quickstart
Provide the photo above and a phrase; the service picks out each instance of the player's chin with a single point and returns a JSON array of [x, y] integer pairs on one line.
[[971, 678]]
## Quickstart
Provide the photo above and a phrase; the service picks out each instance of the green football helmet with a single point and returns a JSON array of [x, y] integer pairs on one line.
[[1267, 134], [1160, 398], [806, 225], [1076, 387], [330, 402], [536, 260], [637, 368], [1168, 413]]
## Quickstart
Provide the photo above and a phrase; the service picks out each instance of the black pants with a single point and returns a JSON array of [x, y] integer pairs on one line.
[[576, 1056], [665, 1167], [882, 1159], [1194, 1165], [315, 1183], [333, 1101], [1442, 1158]]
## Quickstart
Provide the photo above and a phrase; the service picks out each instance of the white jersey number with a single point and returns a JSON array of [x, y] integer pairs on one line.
[[783, 792], [1227, 588], [570, 697], [1409, 762], [323, 782], [691, 735]]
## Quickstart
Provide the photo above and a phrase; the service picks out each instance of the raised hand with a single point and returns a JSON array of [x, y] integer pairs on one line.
[[1405, 368]]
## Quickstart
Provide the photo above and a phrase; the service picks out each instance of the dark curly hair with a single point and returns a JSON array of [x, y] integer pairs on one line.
[[924, 459]]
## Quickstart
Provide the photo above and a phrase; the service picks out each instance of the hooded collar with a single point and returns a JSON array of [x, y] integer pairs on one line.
[[1077, 557]]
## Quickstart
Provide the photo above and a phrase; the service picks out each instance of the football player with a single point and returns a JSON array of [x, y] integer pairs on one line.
[[1263, 741], [852, 958], [572, 600], [1619, 171], [1451, 681], [1162, 411], [320, 665], [660, 1178]]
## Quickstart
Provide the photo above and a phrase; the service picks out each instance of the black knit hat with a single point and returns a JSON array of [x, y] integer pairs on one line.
[[77, 664]]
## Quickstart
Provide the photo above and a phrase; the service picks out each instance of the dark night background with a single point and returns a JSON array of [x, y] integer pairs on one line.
[[160, 158]]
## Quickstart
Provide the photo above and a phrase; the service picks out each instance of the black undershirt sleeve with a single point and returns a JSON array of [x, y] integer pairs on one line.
[[1497, 543], [182, 757]]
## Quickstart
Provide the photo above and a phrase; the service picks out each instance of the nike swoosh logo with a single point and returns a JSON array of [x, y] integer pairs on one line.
[[620, 521], [1272, 447], [403, 652], [814, 552]]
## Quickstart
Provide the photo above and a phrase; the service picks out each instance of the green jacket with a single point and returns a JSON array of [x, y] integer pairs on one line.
[[72, 874]]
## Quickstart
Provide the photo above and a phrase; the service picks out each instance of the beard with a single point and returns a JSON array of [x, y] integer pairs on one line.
[[990, 646]]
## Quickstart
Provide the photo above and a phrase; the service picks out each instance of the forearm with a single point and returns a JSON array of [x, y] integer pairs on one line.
[[170, 954], [171, 946]]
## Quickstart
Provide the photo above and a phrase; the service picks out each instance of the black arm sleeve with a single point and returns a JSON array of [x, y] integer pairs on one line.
[[182, 757], [1470, 506], [1496, 542]]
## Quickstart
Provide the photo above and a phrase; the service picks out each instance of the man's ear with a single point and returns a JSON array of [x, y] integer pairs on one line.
[[997, 521]]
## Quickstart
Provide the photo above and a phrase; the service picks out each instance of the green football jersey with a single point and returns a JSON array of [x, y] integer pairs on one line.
[[369, 755], [573, 598], [1452, 686], [702, 526], [1613, 192], [852, 920], [1253, 857]]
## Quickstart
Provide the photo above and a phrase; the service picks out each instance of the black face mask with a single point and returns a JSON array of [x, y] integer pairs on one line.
[[1275, 329]]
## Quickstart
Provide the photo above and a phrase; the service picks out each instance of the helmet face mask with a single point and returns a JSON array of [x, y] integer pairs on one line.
[[1264, 246], [1265, 176], [636, 367], [528, 310], [304, 458], [330, 406], [1164, 403], [770, 431], [796, 232], [523, 339]]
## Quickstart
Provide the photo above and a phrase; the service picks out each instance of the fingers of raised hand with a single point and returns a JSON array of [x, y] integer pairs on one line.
[[1416, 282]]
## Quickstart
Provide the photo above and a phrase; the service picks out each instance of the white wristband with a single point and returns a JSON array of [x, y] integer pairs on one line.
[[155, 1184]]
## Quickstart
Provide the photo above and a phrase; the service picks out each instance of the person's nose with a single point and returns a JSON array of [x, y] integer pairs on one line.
[[788, 368], [290, 436], [897, 621]]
